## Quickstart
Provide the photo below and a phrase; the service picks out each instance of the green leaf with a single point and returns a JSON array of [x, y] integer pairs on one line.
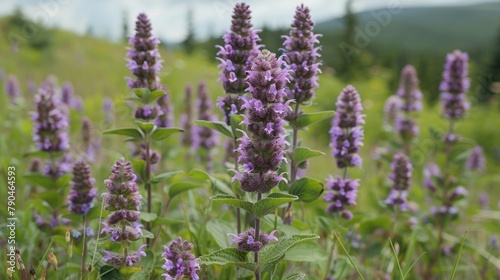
[[142, 93], [131, 132], [233, 201], [135, 99], [164, 177], [307, 119], [63, 181], [236, 126], [369, 225], [160, 221], [307, 189], [40, 180], [199, 174], [219, 230], [110, 273], [271, 202], [301, 154], [296, 277], [147, 234], [154, 95], [145, 127], [307, 252], [180, 187], [162, 133], [216, 125], [274, 252], [148, 217], [147, 263], [54, 198], [139, 167], [227, 256]]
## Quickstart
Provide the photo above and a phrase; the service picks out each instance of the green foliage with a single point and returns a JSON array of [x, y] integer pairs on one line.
[[307, 119], [259, 208], [217, 126], [306, 189]]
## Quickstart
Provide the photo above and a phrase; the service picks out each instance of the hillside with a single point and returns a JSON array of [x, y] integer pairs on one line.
[[467, 27]]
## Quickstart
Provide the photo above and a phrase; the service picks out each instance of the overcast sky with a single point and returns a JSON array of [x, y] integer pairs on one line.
[[211, 17]]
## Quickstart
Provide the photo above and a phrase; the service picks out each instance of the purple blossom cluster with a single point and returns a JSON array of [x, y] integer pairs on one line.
[[301, 56], [179, 261], [346, 137], [236, 56], [50, 123], [246, 242], [346, 132], [107, 107], [82, 191], [432, 174], [204, 137], [342, 193], [67, 93], [89, 144], [401, 176], [165, 118], [123, 201], [12, 89], [143, 57], [58, 167], [476, 159], [262, 152], [408, 90], [455, 85]]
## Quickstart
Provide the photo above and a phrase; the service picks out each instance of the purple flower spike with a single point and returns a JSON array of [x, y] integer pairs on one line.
[[476, 160], [406, 127], [107, 107], [391, 109], [342, 193], [67, 93], [301, 56], [179, 261], [186, 121], [455, 85], [143, 57], [12, 89], [408, 90], [123, 201], [264, 122], [236, 56], [346, 131], [50, 123], [82, 189], [246, 240], [401, 180], [165, 119], [431, 173]]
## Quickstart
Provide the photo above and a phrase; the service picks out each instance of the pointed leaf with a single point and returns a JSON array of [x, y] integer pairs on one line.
[[233, 201], [228, 256], [296, 277], [307, 189], [145, 127], [236, 125], [180, 187], [307, 119], [274, 252], [131, 132], [142, 93], [148, 217], [219, 230], [40, 180], [271, 202], [199, 174], [216, 125], [154, 95], [139, 167], [147, 263], [162, 133], [164, 177], [301, 154]]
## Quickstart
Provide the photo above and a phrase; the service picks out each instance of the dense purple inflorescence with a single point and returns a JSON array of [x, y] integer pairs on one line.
[[408, 90], [236, 56], [107, 107], [143, 57], [82, 189], [123, 201], [49, 123], [179, 261], [246, 242], [301, 56], [476, 159], [455, 85], [342, 193], [346, 131], [262, 152], [67, 93], [401, 180], [12, 89], [391, 110]]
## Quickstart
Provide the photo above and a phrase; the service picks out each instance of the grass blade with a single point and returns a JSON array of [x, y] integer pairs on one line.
[[348, 256], [414, 263], [397, 259], [458, 257]]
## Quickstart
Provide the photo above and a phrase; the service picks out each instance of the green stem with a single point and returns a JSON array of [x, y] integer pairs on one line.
[[148, 186], [293, 167], [257, 238], [84, 244]]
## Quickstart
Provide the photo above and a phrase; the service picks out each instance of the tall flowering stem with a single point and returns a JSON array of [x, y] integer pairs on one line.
[[346, 138], [145, 64], [264, 121], [122, 225], [301, 55], [81, 197], [236, 56], [204, 138]]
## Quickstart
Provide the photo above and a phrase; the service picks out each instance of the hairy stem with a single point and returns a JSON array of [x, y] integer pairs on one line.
[[84, 244], [256, 238]]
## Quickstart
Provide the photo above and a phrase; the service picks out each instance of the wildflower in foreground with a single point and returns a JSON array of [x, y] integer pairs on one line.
[[264, 122], [82, 191], [179, 261], [246, 240], [236, 57], [123, 201]]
